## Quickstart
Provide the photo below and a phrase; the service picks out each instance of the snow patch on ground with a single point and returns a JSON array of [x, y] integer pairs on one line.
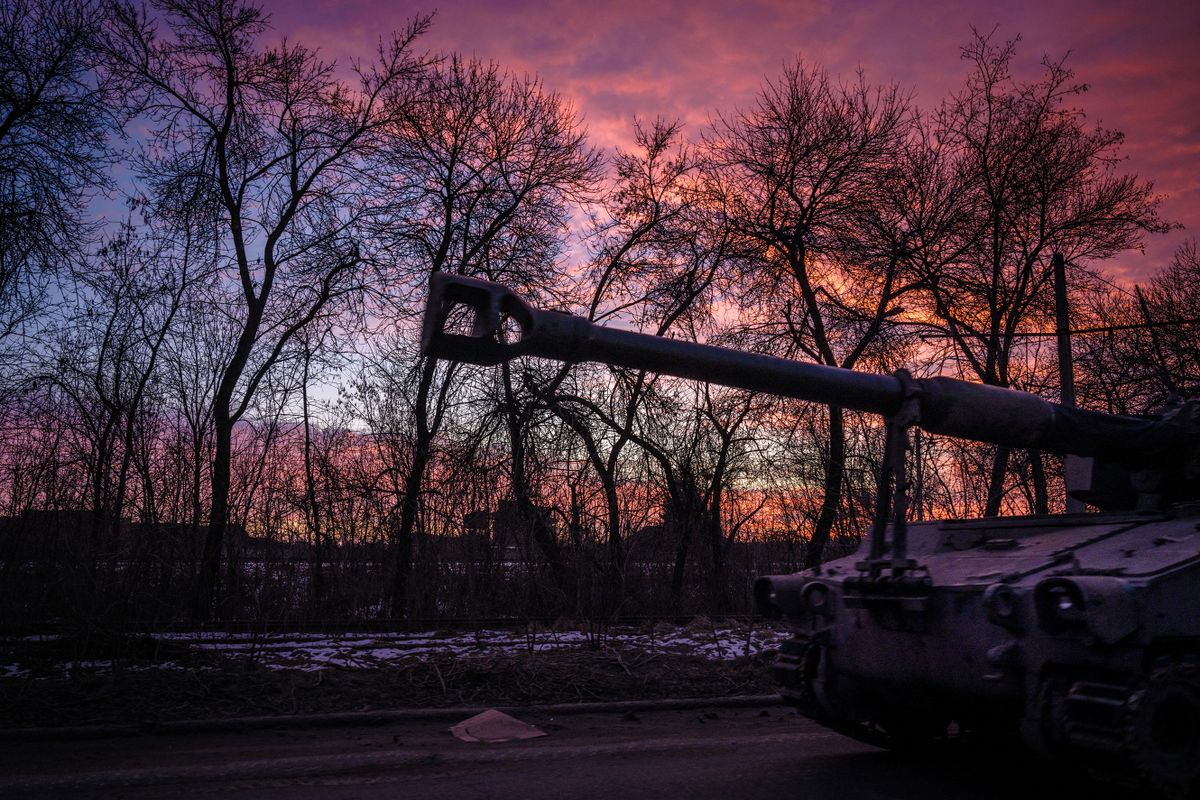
[[315, 652], [14, 671]]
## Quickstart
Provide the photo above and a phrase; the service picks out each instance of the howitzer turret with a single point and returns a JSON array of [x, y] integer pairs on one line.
[[1080, 633]]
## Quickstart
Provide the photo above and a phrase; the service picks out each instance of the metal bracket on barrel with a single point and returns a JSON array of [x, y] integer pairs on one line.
[[489, 306], [502, 325], [894, 502]]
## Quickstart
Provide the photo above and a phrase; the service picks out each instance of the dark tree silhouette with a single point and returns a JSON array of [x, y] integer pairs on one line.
[[174, 442], [658, 257], [795, 173], [1144, 347], [490, 163], [1036, 181], [276, 151], [1173, 300], [56, 116]]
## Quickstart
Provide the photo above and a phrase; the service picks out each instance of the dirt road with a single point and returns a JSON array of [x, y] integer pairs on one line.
[[743, 753]]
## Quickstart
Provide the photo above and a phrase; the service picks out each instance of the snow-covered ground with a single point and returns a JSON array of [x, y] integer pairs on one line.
[[313, 652]]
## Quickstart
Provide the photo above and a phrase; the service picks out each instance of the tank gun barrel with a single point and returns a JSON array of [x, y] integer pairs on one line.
[[502, 326]]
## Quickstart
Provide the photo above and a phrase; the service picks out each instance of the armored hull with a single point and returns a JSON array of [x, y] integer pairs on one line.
[[1079, 633]]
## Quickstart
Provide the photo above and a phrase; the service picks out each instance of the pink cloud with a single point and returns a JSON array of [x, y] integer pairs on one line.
[[625, 58]]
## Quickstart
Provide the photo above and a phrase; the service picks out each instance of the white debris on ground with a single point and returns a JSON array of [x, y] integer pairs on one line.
[[314, 652], [494, 726]]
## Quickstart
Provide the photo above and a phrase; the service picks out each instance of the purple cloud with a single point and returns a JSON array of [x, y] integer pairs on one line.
[[626, 58]]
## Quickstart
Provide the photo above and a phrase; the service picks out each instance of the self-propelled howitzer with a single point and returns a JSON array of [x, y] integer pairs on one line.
[[1080, 632]]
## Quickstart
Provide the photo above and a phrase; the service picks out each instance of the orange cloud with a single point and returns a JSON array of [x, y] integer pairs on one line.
[[625, 58]]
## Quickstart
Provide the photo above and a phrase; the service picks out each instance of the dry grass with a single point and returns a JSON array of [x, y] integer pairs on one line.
[[210, 686]]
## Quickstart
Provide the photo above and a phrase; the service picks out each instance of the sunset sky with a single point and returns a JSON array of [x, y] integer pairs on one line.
[[617, 60]]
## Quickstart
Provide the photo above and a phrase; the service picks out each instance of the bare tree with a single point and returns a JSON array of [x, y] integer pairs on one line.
[[1038, 182], [1111, 369], [700, 446], [56, 116], [274, 149], [134, 293], [194, 357], [1174, 308], [493, 162], [658, 260], [104, 378], [1141, 345], [795, 174]]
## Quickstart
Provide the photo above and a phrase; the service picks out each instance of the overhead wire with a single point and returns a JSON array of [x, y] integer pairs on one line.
[[1073, 331]]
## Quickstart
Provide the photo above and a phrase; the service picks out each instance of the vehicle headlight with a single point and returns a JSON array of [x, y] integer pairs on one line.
[[792, 596], [817, 598], [1003, 605], [1104, 605]]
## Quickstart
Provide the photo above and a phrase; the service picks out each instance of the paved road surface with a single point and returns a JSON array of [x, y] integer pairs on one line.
[[746, 754]]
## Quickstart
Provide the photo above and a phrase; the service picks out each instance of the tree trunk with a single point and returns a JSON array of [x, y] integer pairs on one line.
[[214, 539], [543, 535], [223, 422], [614, 574], [575, 524], [410, 504], [317, 586], [834, 473], [996, 482], [409, 507], [683, 526], [196, 497], [719, 594], [1037, 467]]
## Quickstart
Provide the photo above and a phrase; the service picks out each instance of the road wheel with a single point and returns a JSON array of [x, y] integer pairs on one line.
[[1163, 734]]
